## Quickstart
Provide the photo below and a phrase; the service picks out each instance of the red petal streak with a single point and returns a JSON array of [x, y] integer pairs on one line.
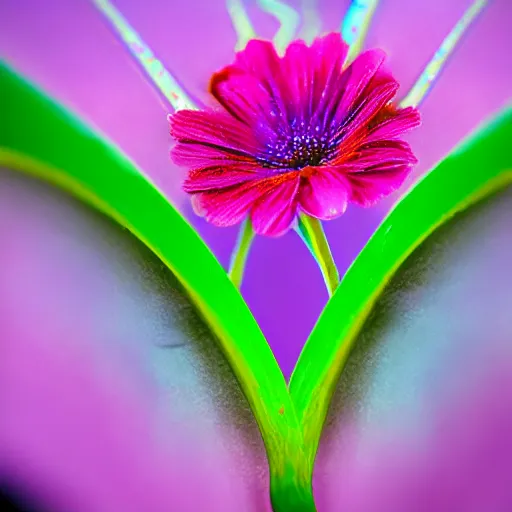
[[229, 206], [369, 107], [377, 154], [199, 156], [275, 211], [212, 128], [376, 170], [353, 83], [213, 178], [394, 124]]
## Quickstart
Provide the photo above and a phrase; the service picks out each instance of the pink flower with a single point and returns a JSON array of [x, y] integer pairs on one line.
[[298, 133]]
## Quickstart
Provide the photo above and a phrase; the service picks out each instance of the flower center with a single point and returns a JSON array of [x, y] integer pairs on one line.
[[305, 146]]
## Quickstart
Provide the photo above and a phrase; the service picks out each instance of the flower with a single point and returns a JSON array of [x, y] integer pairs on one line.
[[298, 133]]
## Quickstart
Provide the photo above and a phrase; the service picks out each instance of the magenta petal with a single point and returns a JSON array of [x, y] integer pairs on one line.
[[354, 81], [260, 60], [214, 178], [229, 206], [377, 170], [366, 188], [328, 49], [324, 194], [212, 128], [377, 155], [331, 52], [195, 156], [313, 75], [378, 98], [300, 83], [275, 211], [245, 98], [395, 125]]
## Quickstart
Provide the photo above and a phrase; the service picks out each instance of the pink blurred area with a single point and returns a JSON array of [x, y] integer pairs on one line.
[[462, 461], [67, 49], [78, 434]]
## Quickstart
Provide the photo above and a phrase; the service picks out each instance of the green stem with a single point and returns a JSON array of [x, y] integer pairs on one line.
[[240, 253], [287, 494], [312, 233]]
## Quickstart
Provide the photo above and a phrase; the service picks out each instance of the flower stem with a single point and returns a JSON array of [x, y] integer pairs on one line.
[[240, 253], [312, 233], [289, 493]]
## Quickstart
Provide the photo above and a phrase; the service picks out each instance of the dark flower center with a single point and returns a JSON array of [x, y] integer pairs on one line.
[[304, 146]]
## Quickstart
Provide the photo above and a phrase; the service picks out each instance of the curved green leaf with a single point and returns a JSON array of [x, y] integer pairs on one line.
[[40, 138], [422, 398], [479, 167], [80, 289]]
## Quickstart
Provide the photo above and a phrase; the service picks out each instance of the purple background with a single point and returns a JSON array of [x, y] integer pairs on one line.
[[67, 48]]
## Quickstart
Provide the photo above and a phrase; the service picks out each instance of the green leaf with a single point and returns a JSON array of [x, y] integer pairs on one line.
[[479, 167], [42, 139], [95, 304], [423, 394]]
